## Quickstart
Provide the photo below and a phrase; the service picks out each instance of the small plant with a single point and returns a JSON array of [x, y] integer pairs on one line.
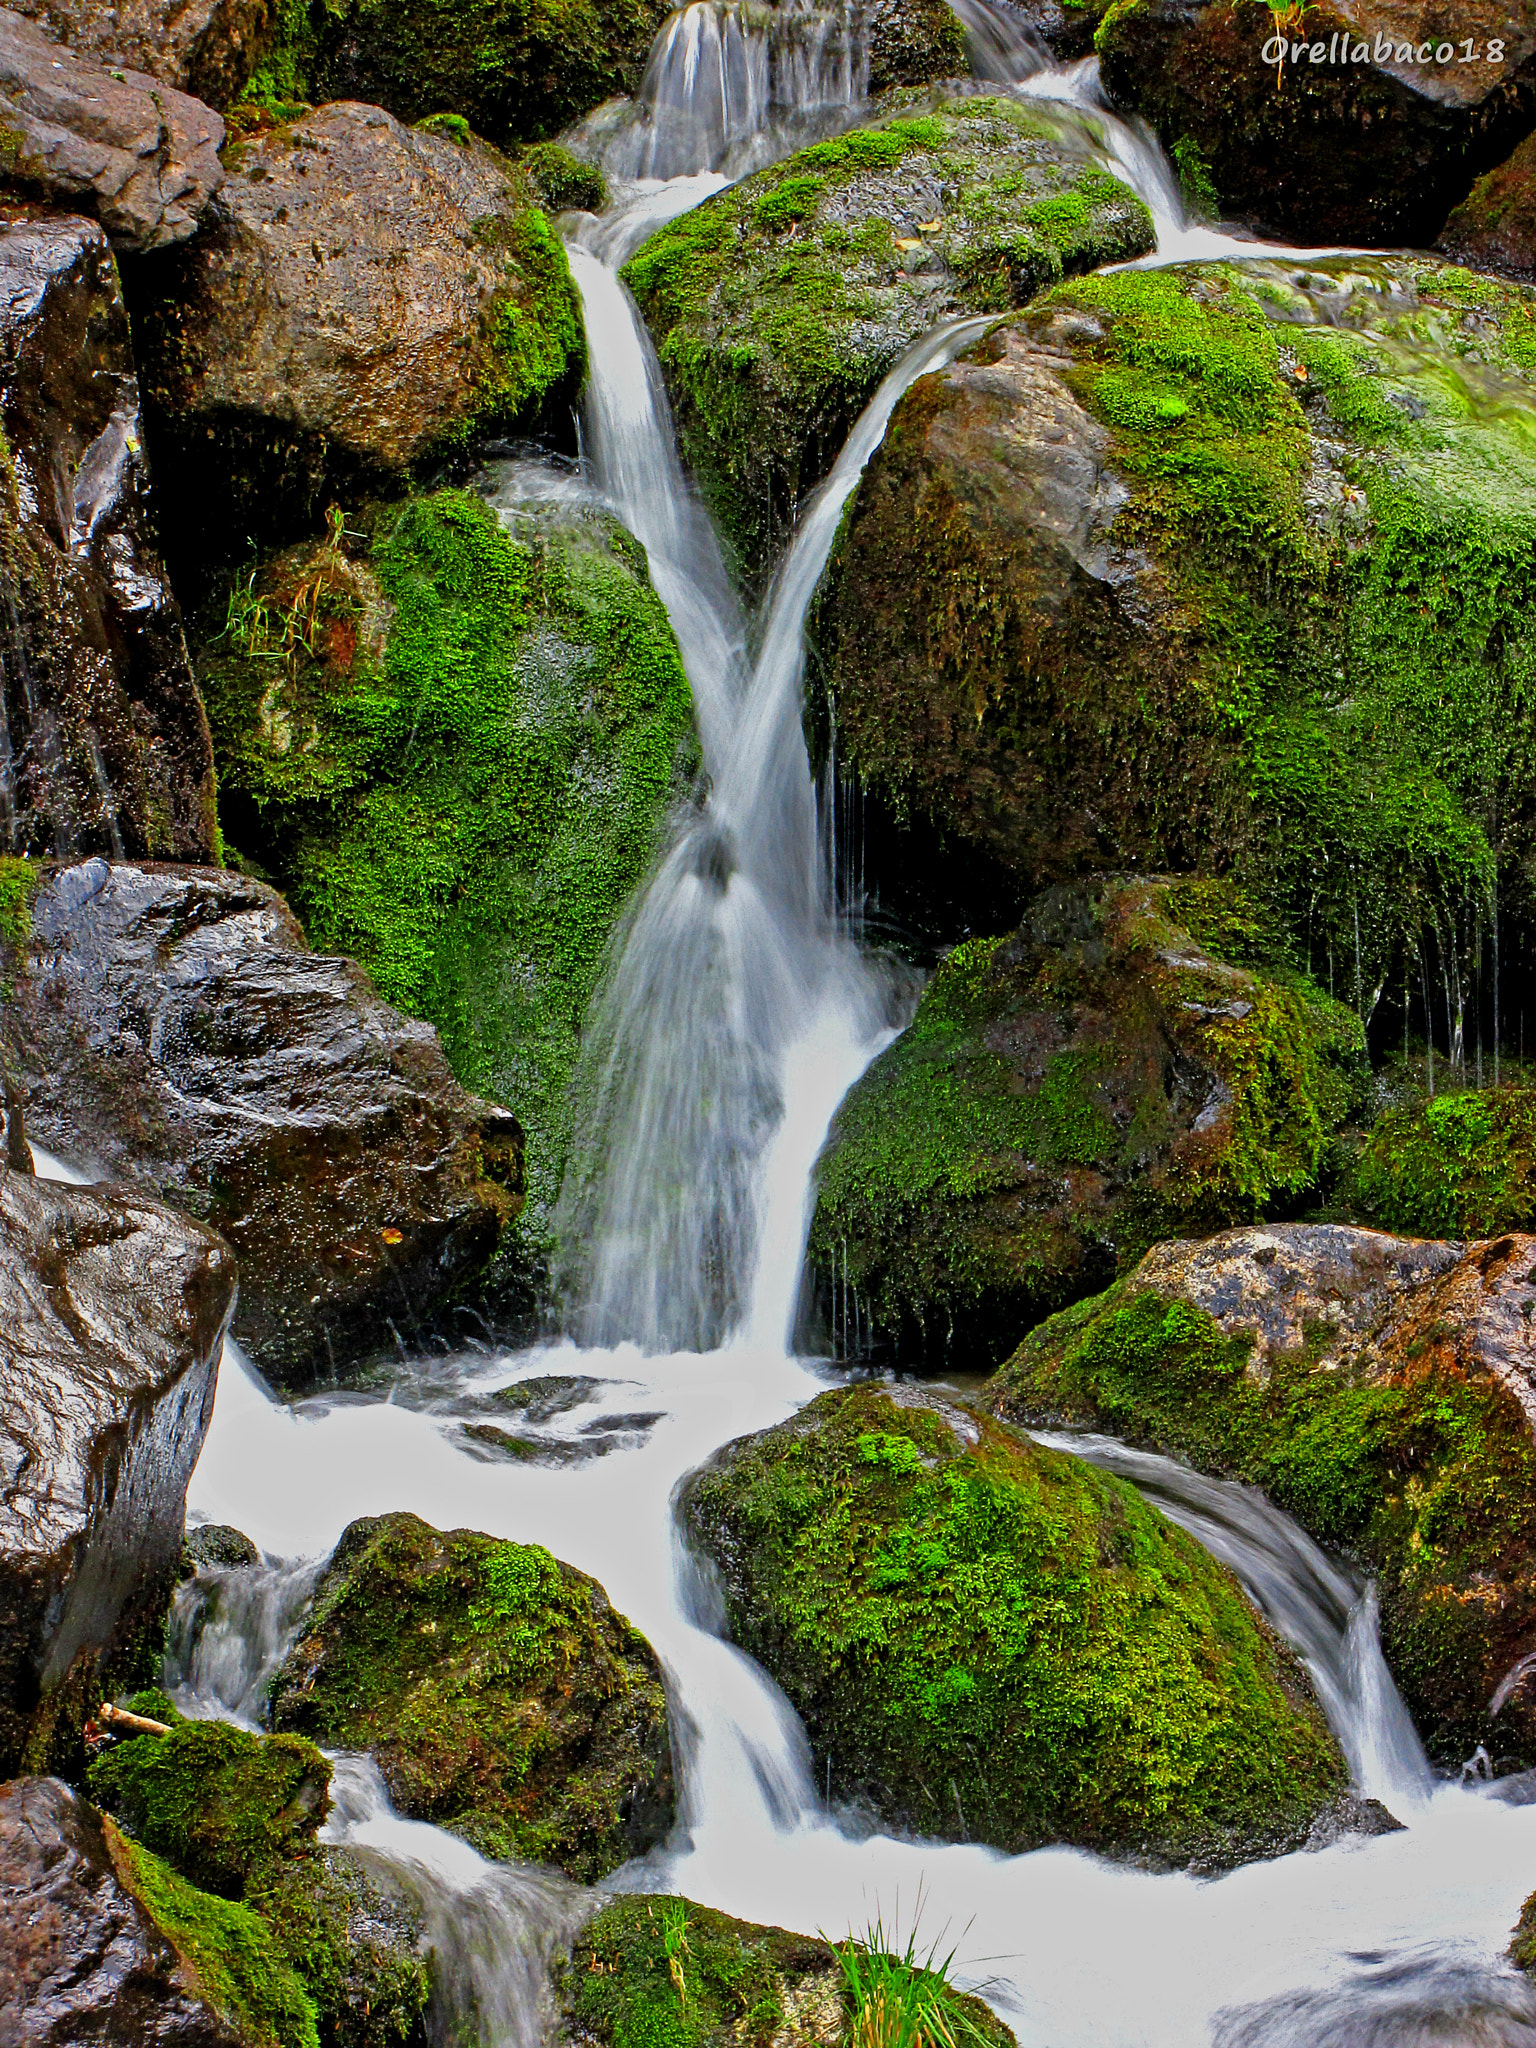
[[674, 1939], [902, 2000]]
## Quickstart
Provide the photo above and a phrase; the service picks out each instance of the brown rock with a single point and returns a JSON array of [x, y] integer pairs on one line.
[[141, 156], [104, 745], [112, 1316], [370, 295], [1494, 228], [1375, 151], [171, 1025], [204, 47], [84, 1960]]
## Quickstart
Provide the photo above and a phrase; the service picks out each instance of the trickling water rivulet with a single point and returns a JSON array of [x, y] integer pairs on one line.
[[737, 1013]]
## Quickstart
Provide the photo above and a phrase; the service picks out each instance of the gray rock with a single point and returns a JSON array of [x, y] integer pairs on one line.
[[216, 1546], [141, 156], [112, 1315], [104, 745], [84, 1960], [171, 1024], [204, 47]]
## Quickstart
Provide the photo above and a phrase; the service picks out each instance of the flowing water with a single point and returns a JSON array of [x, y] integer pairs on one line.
[[737, 1012]]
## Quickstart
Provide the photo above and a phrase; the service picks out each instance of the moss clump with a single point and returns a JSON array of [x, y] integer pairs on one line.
[[283, 1933], [995, 1641], [1460, 1166], [458, 767], [534, 330], [778, 305], [1408, 1457], [1522, 1950], [1062, 1098], [563, 180], [501, 1694], [18, 884]]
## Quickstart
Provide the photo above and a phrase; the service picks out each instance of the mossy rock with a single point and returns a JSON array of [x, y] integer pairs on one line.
[[673, 1974], [1494, 228], [503, 1697], [990, 1640], [778, 305], [456, 749], [1212, 568], [564, 181], [1522, 1949], [1463, 1165], [285, 1934], [1064, 1097], [1375, 1388], [514, 73]]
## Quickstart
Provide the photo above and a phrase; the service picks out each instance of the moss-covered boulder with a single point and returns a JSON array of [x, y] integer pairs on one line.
[[370, 299], [1494, 228], [501, 1694], [1378, 1389], [1522, 1949], [1461, 1165], [778, 305], [1370, 127], [456, 750], [677, 1975], [220, 1842], [1118, 1069], [990, 1640], [1209, 568]]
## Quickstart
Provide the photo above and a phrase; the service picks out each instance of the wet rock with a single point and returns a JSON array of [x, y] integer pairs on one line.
[[911, 42], [85, 1960], [1064, 1097], [777, 306], [500, 1693], [112, 1314], [1141, 579], [216, 1546], [1494, 227], [170, 1025], [1380, 1389], [1376, 149], [618, 1981], [141, 156], [368, 297], [1522, 1949], [887, 1557], [103, 742], [207, 48]]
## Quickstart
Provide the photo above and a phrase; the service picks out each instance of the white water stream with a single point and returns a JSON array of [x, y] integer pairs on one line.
[[737, 1014]]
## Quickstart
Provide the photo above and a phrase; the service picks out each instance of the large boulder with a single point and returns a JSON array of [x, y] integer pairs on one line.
[[169, 1025], [141, 156], [368, 297], [104, 746], [1494, 227], [460, 772], [1382, 1390], [1373, 126], [990, 1640], [499, 1691], [778, 305], [204, 47], [1207, 568], [112, 1316], [1065, 1096]]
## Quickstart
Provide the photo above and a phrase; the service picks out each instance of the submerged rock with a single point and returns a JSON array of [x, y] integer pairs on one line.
[[103, 741], [141, 156], [204, 47], [1494, 228], [1380, 1389], [460, 771], [1063, 1097], [1203, 568], [500, 1693], [170, 1025], [778, 305], [1370, 131], [369, 297], [992, 1641], [112, 1315]]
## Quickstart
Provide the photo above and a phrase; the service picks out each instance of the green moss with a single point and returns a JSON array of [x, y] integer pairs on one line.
[[501, 1694], [1522, 1950], [18, 885], [778, 305], [1460, 1166], [534, 327], [563, 180], [998, 1641], [1201, 199], [462, 779], [454, 126]]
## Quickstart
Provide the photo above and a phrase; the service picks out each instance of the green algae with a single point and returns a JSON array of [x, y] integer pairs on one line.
[[503, 1697], [994, 1640]]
